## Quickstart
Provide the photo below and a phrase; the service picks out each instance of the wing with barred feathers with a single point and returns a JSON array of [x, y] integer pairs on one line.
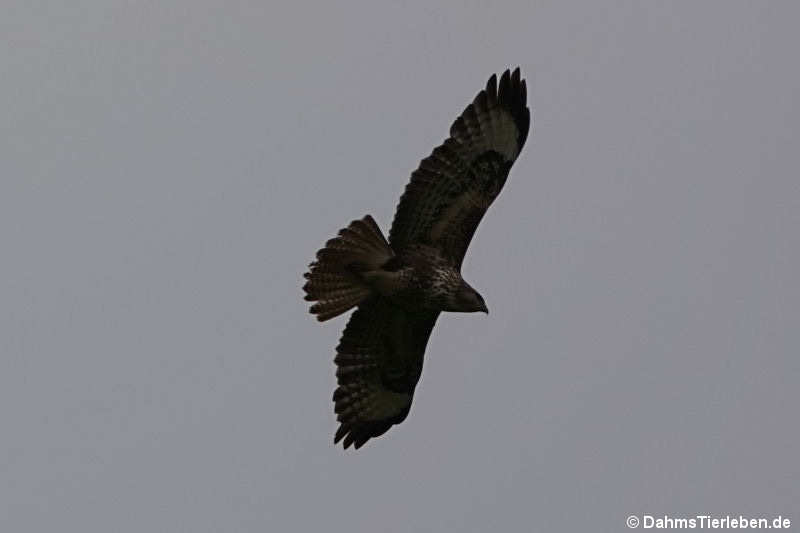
[[453, 187], [379, 361]]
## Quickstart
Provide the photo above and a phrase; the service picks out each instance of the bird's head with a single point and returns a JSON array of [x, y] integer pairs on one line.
[[467, 300]]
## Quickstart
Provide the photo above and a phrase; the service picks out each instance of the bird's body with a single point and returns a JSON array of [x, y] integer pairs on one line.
[[420, 279], [400, 286]]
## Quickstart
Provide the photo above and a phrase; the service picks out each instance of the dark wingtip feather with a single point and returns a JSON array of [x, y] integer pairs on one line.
[[491, 87], [505, 86], [513, 95], [341, 432]]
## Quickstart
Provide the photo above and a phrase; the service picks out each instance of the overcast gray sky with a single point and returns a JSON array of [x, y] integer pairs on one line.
[[168, 169]]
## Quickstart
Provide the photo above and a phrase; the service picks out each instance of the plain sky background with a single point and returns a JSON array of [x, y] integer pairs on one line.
[[168, 169]]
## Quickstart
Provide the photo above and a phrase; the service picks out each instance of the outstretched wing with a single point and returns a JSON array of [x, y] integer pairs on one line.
[[455, 185], [379, 361]]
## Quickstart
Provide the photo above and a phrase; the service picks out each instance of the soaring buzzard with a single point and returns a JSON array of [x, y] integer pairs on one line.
[[402, 285]]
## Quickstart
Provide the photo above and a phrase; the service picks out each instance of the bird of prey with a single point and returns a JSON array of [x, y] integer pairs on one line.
[[401, 285]]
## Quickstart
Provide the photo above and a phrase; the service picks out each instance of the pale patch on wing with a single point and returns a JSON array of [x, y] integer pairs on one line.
[[385, 404], [497, 131]]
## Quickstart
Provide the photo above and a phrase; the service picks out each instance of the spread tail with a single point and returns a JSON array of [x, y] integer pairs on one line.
[[334, 281]]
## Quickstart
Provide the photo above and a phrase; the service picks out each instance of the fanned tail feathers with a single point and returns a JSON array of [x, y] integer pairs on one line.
[[334, 280]]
